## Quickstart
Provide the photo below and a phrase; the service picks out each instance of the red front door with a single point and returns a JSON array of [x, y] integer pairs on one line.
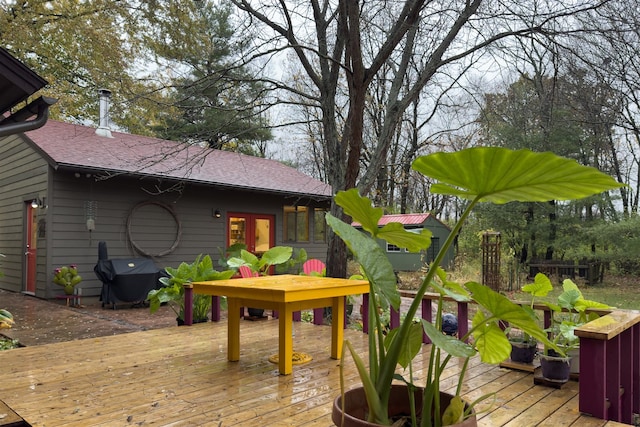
[[256, 231], [31, 250]]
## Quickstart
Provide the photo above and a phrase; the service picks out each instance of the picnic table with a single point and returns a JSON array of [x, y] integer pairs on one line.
[[285, 293]]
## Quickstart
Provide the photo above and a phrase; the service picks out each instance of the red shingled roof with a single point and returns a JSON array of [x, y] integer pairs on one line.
[[404, 219], [78, 147]]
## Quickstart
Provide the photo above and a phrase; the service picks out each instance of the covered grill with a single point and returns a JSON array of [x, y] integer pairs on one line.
[[126, 279]]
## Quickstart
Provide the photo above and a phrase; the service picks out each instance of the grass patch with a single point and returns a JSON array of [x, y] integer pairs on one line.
[[616, 291], [619, 291]]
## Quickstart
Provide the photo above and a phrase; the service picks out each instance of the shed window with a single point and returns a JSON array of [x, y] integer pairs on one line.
[[296, 224], [393, 248]]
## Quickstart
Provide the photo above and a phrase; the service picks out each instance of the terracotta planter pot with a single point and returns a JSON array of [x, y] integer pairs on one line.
[[523, 351], [555, 368], [356, 407]]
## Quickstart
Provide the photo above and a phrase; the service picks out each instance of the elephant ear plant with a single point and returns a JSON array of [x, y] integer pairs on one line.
[[278, 256], [484, 174], [172, 290]]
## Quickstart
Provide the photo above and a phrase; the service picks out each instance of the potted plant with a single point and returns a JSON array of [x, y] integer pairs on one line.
[[275, 256], [523, 346], [172, 290], [569, 311], [280, 256], [67, 277], [483, 174]]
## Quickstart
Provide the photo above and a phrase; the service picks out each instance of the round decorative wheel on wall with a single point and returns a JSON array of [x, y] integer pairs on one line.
[[151, 226]]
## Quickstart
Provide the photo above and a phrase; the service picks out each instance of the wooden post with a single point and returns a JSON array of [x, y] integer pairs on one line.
[[188, 304], [610, 354], [427, 314]]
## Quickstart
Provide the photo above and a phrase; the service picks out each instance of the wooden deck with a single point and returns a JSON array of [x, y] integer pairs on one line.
[[179, 376]]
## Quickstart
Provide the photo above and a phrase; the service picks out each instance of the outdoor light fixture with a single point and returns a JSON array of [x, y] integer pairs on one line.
[[39, 203], [217, 213]]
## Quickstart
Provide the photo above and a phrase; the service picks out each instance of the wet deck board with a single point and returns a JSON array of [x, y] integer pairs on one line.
[[179, 376]]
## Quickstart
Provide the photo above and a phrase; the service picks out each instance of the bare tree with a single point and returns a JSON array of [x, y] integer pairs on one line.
[[334, 43]]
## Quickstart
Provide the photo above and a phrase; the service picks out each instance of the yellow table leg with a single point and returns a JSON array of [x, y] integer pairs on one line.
[[233, 333], [285, 350], [337, 327]]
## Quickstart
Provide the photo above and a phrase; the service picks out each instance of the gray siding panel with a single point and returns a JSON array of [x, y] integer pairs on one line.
[[153, 229], [23, 176]]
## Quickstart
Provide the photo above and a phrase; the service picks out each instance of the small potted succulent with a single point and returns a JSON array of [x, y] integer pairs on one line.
[[67, 277]]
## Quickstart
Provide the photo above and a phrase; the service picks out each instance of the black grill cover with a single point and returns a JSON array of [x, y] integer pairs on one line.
[[127, 280]]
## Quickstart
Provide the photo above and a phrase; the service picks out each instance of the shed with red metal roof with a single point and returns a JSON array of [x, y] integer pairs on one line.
[[403, 260]]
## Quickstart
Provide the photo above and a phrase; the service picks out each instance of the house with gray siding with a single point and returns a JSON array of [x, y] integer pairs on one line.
[[403, 260], [64, 188]]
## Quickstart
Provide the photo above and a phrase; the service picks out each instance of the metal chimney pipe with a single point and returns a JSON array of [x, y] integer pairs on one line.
[[103, 127]]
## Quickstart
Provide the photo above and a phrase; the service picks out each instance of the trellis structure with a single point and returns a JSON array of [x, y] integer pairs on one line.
[[491, 260]]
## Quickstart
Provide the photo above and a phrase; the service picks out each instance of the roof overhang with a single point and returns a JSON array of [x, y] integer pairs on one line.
[[17, 83], [108, 174]]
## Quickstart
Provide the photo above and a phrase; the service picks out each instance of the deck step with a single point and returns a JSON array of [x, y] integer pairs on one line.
[[8, 418]]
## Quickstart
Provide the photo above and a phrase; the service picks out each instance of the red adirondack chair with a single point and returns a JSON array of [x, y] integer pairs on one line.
[[314, 267], [245, 271]]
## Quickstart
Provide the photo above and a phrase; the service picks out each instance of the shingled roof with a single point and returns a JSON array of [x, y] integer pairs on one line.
[[68, 146]]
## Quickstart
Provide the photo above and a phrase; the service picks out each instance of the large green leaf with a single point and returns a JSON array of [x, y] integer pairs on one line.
[[490, 340], [396, 234], [540, 287], [449, 344], [568, 299], [500, 307], [250, 259], [585, 304], [411, 344], [500, 175], [276, 255], [360, 209], [378, 409], [372, 259]]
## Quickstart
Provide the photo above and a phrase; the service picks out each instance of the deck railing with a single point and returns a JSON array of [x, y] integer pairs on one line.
[[609, 352]]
